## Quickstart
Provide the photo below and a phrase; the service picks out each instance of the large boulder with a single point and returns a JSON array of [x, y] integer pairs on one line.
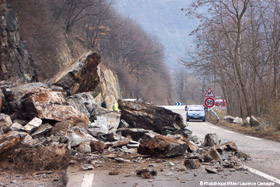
[[163, 146], [142, 115], [229, 119], [137, 133], [246, 122], [46, 104], [79, 77], [85, 103], [106, 122], [13, 94], [15, 61], [238, 120], [254, 122]]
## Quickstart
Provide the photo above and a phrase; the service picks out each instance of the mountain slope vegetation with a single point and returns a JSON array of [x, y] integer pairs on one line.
[[58, 32]]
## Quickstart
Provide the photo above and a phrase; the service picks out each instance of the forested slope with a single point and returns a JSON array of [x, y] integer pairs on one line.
[[58, 32]]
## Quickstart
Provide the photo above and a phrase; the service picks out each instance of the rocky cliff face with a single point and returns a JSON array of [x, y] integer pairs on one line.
[[86, 75], [15, 61], [108, 89]]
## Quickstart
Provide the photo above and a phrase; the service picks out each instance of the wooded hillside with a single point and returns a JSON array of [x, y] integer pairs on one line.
[[58, 32], [238, 44]]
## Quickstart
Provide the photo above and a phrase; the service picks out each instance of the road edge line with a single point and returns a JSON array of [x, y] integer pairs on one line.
[[264, 175]]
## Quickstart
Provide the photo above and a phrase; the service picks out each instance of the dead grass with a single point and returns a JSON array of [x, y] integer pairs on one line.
[[271, 133]]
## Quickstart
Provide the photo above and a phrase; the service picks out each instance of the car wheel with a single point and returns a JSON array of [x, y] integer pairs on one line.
[[203, 120], [188, 119]]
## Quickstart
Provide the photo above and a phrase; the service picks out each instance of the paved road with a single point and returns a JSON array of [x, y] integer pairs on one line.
[[265, 153]]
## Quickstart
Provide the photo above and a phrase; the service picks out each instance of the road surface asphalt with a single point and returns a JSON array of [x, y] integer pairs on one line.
[[265, 159]]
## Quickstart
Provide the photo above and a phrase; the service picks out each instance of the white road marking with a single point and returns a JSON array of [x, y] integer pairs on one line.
[[87, 180], [264, 175], [210, 126], [253, 137], [230, 132]]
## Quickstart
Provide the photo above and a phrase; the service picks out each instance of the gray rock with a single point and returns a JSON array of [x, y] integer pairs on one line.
[[86, 167], [238, 120], [215, 155], [254, 122], [29, 141], [81, 76], [141, 115], [137, 133], [15, 61], [229, 119], [85, 103], [42, 130], [77, 137], [228, 146], [192, 163], [123, 124], [5, 122], [211, 170], [38, 101], [163, 146], [211, 139], [246, 123], [106, 122], [33, 125], [16, 127], [84, 147]]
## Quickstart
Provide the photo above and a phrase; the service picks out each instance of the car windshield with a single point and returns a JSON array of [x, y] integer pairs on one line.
[[195, 108]]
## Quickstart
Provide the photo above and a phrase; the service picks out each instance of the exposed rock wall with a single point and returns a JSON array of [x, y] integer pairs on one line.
[[15, 61], [109, 88], [80, 76]]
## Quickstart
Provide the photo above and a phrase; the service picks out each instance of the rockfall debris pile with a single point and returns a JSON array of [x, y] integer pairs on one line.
[[47, 126], [44, 128]]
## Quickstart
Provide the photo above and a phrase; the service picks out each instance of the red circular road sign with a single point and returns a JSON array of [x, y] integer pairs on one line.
[[209, 102]]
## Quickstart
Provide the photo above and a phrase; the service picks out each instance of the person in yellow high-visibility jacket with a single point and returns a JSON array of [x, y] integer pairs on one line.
[[116, 107]]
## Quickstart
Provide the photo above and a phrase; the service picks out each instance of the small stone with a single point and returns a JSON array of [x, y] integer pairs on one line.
[[211, 170], [86, 167], [171, 164], [146, 173], [192, 164], [169, 174], [115, 172]]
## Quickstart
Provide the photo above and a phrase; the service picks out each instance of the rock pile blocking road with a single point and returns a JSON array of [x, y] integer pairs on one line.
[[49, 126]]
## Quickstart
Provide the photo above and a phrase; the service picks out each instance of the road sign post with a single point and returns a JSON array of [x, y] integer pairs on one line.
[[209, 101]]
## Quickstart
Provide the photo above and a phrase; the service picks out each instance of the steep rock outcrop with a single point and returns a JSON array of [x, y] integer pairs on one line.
[[79, 77], [15, 61], [108, 89]]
